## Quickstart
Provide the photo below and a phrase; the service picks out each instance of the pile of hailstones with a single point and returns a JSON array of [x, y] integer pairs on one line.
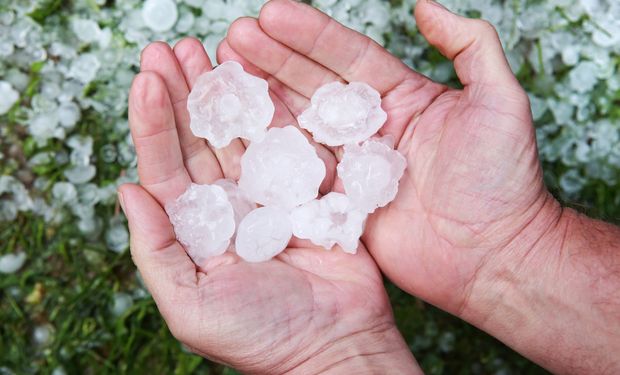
[[277, 194]]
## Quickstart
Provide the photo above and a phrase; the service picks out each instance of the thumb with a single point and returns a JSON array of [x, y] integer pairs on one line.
[[165, 267], [472, 44]]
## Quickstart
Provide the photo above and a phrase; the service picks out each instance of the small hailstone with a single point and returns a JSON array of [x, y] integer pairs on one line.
[[329, 221], [370, 173], [84, 68], [263, 234], [64, 192], [11, 263], [68, 114], [203, 220], [43, 334], [122, 302], [343, 113], [227, 103], [282, 170], [583, 78], [8, 97], [241, 203], [87, 31], [159, 15], [79, 174], [117, 237]]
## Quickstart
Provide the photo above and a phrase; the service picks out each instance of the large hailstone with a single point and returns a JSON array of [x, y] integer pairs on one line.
[[227, 103], [343, 113], [283, 170], [370, 173], [329, 221], [159, 15], [203, 220], [263, 234]]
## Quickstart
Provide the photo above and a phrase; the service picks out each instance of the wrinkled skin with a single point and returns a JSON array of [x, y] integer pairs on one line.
[[471, 186]]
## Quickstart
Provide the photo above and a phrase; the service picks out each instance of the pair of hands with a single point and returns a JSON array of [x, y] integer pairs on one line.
[[472, 189]]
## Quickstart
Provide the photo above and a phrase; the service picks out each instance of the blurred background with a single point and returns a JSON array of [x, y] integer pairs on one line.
[[71, 300]]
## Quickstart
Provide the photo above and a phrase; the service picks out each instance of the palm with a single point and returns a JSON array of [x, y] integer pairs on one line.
[[269, 316], [471, 153]]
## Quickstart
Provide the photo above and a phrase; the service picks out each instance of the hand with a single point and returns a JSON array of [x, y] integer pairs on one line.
[[306, 311], [473, 182], [473, 229]]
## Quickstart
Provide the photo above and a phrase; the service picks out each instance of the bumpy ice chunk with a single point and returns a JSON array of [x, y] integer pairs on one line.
[[263, 234], [283, 170], [341, 114], [203, 221], [329, 221], [227, 103], [241, 203], [370, 173]]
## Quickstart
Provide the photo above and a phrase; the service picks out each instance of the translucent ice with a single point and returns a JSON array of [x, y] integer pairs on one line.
[[341, 113], [370, 173], [282, 170], [263, 234], [159, 15], [241, 203], [329, 221], [227, 103], [203, 221], [8, 97], [11, 263]]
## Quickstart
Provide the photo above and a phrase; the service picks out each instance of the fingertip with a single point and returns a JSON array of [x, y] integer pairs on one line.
[[154, 53], [273, 11], [148, 90], [223, 51], [190, 49], [241, 32]]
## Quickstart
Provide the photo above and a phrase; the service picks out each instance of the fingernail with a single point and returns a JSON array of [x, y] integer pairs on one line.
[[120, 200]]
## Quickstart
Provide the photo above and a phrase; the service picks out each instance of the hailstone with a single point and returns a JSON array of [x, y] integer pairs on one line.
[[370, 173], [343, 113], [283, 170], [228, 103], [241, 203], [329, 221], [203, 221], [263, 234]]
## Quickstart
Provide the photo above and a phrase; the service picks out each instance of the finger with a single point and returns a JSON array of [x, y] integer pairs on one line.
[[200, 162], [151, 121], [282, 115], [167, 271], [472, 44], [296, 71], [352, 55], [193, 60]]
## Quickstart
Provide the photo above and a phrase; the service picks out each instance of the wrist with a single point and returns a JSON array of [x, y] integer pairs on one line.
[[548, 293], [376, 351]]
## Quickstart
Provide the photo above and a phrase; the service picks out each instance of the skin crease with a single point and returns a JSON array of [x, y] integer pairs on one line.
[[463, 233]]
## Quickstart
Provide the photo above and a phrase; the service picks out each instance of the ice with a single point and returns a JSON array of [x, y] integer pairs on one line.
[[341, 114], [8, 97], [64, 192], [370, 173], [227, 103], [263, 234], [203, 220], [11, 263], [583, 77], [329, 221], [85, 68], [241, 203], [159, 15], [68, 114], [283, 170], [87, 31], [122, 302]]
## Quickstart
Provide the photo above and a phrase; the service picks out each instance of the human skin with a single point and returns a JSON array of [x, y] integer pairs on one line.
[[473, 229]]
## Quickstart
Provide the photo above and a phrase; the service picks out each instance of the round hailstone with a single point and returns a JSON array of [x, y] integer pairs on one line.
[[227, 103], [241, 203], [8, 97], [203, 220], [329, 221], [283, 170], [11, 263], [370, 173], [159, 15], [341, 113], [263, 234]]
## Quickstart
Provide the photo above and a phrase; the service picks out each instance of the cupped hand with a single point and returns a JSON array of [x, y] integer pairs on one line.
[[306, 311], [473, 187]]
